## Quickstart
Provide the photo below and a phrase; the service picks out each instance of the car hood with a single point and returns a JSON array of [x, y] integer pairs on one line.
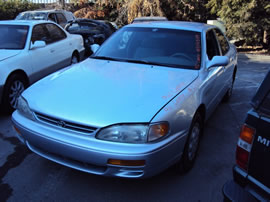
[[5, 54], [101, 92]]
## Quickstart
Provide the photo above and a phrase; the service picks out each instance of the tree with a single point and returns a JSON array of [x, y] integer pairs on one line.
[[247, 20], [9, 9], [214, 6]]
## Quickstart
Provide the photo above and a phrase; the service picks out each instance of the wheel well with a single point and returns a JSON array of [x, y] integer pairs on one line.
[[202, 111], [234, 72], [19, 72], [77, 54]]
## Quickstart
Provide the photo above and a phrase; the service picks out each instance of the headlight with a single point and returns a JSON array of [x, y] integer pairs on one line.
[[134, 133], [23, 108]]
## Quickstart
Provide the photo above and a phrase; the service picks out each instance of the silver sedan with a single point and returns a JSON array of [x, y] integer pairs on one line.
[[136, 106]]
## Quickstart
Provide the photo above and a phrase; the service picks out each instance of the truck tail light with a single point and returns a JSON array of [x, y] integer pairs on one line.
[[244, 146]]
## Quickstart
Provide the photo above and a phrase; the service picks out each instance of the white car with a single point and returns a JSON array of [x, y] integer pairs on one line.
[[30, 50]]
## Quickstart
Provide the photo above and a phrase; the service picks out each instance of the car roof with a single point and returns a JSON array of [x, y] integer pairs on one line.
[[181, 25], [44, 11], [23, 22], [150, 18]]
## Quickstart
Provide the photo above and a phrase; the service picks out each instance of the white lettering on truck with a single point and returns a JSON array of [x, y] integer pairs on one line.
[[263, 140]]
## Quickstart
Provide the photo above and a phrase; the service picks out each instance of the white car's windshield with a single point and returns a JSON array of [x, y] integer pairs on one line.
[[156, 46], [13, 36]]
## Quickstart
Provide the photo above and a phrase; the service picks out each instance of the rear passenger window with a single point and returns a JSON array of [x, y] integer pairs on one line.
[[52, 17], [61, 18], [56, 34], [222, 41]]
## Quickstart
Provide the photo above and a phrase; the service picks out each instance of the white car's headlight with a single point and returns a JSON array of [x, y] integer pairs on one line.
[[133, 133], [23, 108]]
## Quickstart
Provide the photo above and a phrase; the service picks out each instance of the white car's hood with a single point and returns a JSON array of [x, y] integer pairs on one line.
[[5, 54], [101, 93]]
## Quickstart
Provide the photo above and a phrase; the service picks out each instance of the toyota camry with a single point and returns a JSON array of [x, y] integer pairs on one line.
[[136, 106]]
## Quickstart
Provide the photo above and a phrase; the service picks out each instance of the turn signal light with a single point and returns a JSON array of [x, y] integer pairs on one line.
[[118, 162], [247, 134], [244, 146], [157, 131]]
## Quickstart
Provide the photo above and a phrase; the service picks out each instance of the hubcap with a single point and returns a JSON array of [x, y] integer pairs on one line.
[[16, 89], [193, 141]]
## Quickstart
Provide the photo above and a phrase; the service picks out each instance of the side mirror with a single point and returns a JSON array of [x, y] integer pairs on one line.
[[218, 61], [38, 44], [95, 47]]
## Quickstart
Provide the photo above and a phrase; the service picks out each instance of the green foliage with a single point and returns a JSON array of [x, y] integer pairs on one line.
[[9, 9], [214, 6], [190, 10], [247, 20]]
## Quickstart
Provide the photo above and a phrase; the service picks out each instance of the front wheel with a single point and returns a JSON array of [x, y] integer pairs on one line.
[[192, 144], [14, 86]]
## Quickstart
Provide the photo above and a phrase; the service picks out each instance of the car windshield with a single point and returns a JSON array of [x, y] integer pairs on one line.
[[13, 36], [32, 16], [154, 46]]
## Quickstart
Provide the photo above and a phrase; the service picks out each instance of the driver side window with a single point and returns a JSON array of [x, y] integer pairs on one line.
[[211, 45]]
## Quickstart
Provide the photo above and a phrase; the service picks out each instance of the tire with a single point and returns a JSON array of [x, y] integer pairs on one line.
[[74, 58], [193, 142], [14, 86]]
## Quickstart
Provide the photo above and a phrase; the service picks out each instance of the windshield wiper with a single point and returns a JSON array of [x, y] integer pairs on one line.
[[104, 58], [154, 63], [143, 62]]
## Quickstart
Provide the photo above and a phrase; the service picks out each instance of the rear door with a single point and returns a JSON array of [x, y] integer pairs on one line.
[[60, 45]]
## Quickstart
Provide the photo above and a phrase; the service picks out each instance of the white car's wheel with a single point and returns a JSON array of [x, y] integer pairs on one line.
[[74, 58], [193, 141], [15, 85]]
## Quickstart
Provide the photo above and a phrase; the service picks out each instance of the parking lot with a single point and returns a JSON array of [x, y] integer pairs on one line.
[[25, 176]]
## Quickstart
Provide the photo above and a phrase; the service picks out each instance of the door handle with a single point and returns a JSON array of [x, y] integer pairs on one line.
[[52, 50]]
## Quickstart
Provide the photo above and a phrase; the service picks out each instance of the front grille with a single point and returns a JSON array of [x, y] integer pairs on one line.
[[65, 124]]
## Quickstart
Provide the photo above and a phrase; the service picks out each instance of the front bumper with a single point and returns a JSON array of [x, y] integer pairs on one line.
[[86, 153]]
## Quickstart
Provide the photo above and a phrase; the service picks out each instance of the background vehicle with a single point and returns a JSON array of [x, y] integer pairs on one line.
[[136, 106], [31, 50], [61, 17], [92, 31], [251, 173], [149, 19]]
